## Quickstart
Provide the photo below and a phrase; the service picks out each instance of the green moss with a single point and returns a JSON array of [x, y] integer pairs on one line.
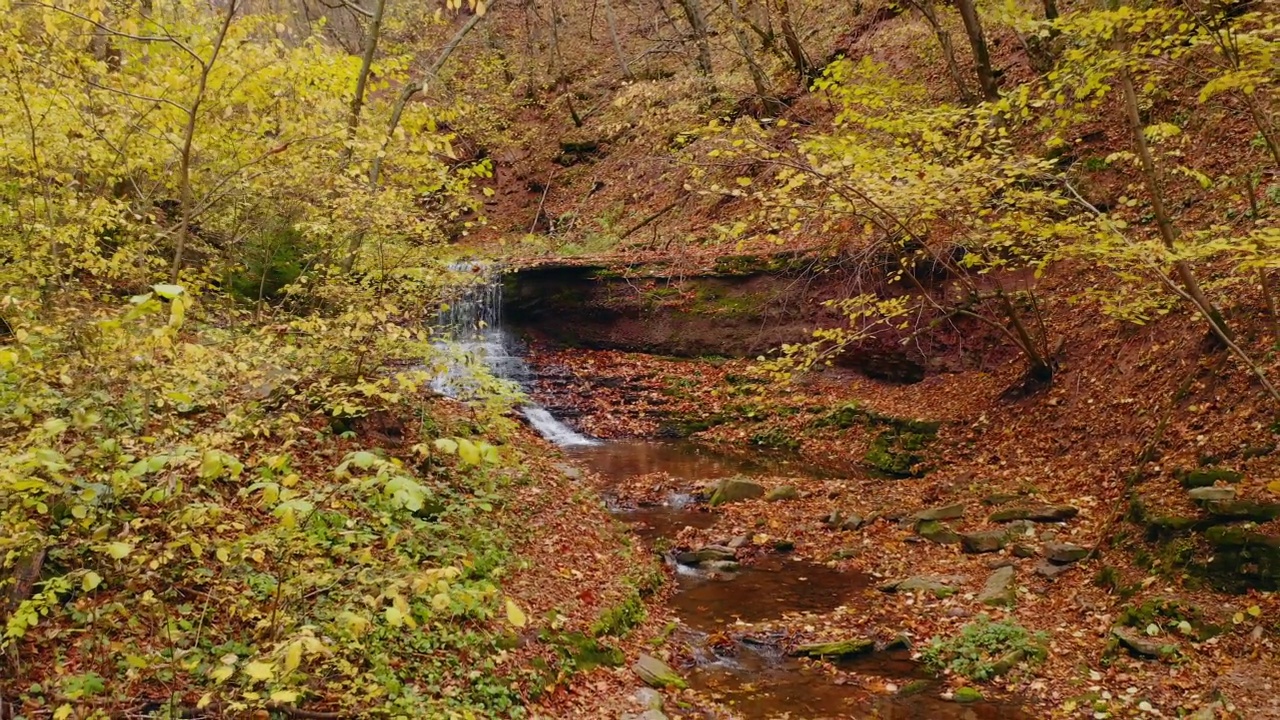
[[984, 649], [967, 695], [1206, 476], [1169, 614], [618, 620], [838, 649]]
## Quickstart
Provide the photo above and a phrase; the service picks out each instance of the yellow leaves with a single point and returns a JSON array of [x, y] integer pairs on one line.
[[284, 696], [90, 581], [117, 550], [220, 673], [258, 670], [292, 657], [515, 615], [1274, 486]]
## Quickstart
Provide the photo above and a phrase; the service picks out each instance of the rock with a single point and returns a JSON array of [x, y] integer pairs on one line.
[[915, 687], [1000, 589], [996, 563], [1141, 645], [735, 490], [957, 612], [738, 542], [946, 512], [722, 565], [1024, 551], [1036, 513], [967, 695], [569, 471], [656, 673], [1064, 553], [934, 531], [1239, 537], [1000, 499], [1212, 494], [1050, 570], [846, 553], [648, 698], [708, 553], [1048, 536], [938, 585], [1007, 662], [1244, 510], [853, 522], [1208, 712], [782, 492], [650, 714], [839, 649], [1207, 477], [784, 546], [983, 541]]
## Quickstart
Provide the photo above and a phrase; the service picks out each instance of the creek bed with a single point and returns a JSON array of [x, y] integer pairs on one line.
[[751, 674]]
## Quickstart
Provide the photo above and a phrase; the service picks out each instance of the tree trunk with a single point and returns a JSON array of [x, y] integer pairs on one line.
[[772, 105], [372, 36], [188, 139], [1050, 9], [789, 36], [406, 94], [693, 11], [981, 58], [612, 22], [948, 50], [1168, 235]]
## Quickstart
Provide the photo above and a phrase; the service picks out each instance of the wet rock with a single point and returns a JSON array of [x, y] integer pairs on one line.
[[946, 512], [838, 649], [784, 546], [1024, 551], [1000, 589], [1212, 494], [569, 471], [1064, 553], [735, 490], [983, 541], [656, 673], [915, 687], [1036, 513], [1143, 646], [708, 553], [1244, 510], [782, 492], [1047, 569], [1207, 477], [934, 531], [722, 565]]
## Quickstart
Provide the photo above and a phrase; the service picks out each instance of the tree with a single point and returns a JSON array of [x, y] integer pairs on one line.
[[978, 41]]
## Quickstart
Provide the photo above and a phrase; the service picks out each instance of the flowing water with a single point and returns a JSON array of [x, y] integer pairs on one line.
[[747, 672]]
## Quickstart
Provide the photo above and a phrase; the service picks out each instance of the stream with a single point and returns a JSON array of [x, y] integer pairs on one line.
[[749, 674]]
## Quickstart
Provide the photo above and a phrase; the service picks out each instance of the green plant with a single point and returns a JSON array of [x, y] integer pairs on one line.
[[985, 649]]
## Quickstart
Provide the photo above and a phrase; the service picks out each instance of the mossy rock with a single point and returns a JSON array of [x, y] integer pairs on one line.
[[1168, 612], [937, 532], [839, 649], [1036, 513], [897, 453], [1243, 510], [782, 492], [731, 490], [1206, 476], [656, 673], [967, 695]]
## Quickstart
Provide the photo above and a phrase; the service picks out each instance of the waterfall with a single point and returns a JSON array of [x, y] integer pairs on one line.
[[477, 347]]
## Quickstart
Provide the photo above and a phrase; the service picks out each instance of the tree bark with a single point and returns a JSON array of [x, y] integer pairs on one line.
[[930, 14], [693, 11], [799, 60], [188, 139], [772, 105], [372, 36], [978, 41], [612, 22]]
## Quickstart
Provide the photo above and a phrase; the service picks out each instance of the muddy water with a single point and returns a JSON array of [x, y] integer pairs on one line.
[[746, 672]]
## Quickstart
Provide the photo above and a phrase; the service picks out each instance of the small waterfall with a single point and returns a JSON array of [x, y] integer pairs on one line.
[[477, 348]]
